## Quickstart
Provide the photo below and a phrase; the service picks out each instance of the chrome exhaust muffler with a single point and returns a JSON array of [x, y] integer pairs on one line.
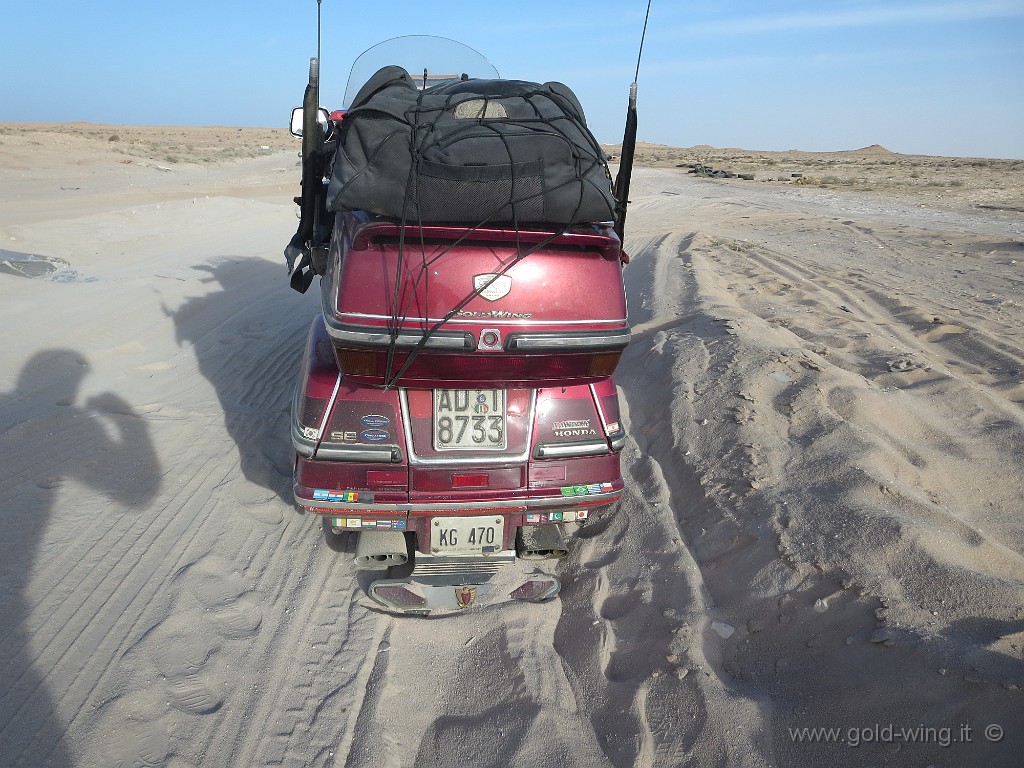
[[540, 542], [379, 550]]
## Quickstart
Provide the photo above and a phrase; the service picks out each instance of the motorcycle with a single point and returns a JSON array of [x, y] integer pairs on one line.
[[455, 410]]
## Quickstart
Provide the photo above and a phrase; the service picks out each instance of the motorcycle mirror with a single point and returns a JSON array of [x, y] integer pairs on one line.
[[295, 126]]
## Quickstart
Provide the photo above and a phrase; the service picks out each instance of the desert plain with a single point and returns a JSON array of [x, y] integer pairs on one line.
[[819, 559]]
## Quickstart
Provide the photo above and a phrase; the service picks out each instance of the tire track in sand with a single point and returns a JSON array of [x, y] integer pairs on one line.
[[635, 627], [482, 688]]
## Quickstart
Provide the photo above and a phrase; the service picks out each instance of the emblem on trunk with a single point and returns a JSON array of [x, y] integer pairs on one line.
[[498, 286], [464, 596]]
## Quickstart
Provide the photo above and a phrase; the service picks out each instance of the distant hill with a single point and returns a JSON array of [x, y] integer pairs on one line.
[[874, 149], [647, 149]]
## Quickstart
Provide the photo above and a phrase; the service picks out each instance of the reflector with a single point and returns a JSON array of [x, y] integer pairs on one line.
[[536, 590], [462, 480], [356, 362], [397, 595], [509, 369], [604, 363]]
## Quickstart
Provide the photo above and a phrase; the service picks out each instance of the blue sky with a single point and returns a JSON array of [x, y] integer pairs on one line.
[[918, 76]]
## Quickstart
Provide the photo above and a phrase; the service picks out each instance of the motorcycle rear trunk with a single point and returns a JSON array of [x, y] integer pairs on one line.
[[456, 405]]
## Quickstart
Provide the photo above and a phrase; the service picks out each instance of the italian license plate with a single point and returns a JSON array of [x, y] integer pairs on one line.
[[467, 535], [469, 419]]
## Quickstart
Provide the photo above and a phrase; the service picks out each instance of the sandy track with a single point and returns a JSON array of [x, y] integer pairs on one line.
[[822, 526], [853, 448]]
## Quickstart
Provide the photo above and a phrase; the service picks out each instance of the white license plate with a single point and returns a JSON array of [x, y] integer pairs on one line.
[[469, 419], [467, 535]]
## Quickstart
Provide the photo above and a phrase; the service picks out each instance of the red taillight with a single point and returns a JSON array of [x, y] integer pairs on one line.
[[536, 590], [434, 366], [427, 366], [463, 480], [446, 481], [397, 596]]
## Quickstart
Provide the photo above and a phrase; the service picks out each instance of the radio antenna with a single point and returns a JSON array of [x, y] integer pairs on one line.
[[643, 36], [303, 243], [318, 32], [622, 179]]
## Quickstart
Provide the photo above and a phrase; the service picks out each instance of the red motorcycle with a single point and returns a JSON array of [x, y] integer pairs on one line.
[[456, 411]]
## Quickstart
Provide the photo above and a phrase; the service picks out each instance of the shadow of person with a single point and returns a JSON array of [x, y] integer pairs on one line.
[[46, 438], [248, 338]]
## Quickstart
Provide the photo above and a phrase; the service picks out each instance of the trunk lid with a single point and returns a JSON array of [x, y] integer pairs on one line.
[[445, 305]]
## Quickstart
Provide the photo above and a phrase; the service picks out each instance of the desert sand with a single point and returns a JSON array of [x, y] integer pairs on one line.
[[823, 526]]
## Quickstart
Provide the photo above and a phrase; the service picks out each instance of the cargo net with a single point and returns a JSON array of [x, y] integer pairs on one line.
[[517, 198], [452, 178], [509, 195]]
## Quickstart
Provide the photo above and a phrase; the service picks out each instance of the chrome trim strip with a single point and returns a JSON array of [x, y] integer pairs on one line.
[[536, 342], [518, 505], [301, 444], [597, 404], [327, 414], [477, 459], [573, 501], [381, 454], [306, 446], [563, 450], [616, 439], [328, 409], [353, 507], [405, 339], [481, 320], [429, 565], [403, 404]]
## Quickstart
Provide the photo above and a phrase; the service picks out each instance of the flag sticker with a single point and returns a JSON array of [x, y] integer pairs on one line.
[[350, 497], [587, 490]]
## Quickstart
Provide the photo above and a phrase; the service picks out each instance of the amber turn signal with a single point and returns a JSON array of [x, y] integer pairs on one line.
[[356, 362], [603, 363]]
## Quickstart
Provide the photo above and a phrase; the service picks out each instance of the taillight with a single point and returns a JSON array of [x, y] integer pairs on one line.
[[603, 363], [356, 362], [446, 481], [537, 590], [396, 596], [497, 367], [464, 480], [433, 366]]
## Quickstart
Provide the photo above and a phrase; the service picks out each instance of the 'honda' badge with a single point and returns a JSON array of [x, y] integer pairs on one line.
[[497, 286]]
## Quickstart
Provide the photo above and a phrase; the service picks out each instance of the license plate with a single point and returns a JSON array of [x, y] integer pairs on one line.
[[467, 535], [469, 419]]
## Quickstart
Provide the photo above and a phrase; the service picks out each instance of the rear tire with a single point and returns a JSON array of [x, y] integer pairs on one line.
[[338, 542]]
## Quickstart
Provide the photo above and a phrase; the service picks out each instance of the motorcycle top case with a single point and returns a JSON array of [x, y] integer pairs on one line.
[[481, 152], [434, 306]]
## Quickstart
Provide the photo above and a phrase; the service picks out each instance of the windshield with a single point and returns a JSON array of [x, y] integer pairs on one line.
[[438, 57]]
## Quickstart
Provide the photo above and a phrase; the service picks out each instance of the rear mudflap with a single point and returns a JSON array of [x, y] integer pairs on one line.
[[439, 585]]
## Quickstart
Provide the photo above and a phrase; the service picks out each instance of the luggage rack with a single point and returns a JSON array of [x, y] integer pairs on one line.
[[597, 237]]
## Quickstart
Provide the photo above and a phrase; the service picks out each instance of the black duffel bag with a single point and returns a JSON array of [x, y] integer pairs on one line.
[[479, 152]]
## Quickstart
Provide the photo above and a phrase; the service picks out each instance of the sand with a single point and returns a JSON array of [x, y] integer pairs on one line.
[[822, 528]]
